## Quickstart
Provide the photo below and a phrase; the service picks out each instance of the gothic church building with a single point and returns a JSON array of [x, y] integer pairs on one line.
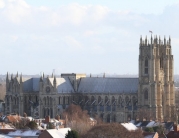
[[112, 99]]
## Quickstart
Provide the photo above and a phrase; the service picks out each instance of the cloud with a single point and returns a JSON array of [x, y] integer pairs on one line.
[[2, 4], [92, 34]]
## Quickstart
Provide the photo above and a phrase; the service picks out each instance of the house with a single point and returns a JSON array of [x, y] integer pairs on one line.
[[54, 133]]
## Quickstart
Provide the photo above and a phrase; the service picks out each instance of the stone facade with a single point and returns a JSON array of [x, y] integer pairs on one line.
[[156, 82], [113, 99]]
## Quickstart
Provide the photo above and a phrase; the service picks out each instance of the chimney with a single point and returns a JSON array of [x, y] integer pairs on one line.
[[47, 119]]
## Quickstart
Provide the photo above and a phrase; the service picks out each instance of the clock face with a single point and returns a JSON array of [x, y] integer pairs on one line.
[[47, 89]]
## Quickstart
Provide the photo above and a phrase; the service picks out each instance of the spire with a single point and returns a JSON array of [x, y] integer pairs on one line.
[[156, 40], [151, 40], [164, 41], [7, 77], [17, 74], [43, 75], [52, 75], [146, 40], [169, 41], [11, 76], [90, 75], [21, 78], [159, 40], [141, 40], [54, 81], [104, 75]]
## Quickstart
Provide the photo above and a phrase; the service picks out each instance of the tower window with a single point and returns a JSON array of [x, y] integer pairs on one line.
[[146, 66], [146, 94], [161, 63]]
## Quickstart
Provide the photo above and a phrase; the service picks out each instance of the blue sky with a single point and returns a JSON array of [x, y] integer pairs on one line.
[[82, 36]]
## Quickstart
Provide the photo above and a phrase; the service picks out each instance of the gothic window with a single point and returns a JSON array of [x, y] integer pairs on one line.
[[47, 100], [134, 100], [119, 100], [113, 100], [92, 99], [58, 100], [64, 100], [99, 99], [86, 99], [108, 118], [146, 94], [146, 66], [106, 100], [161, 63], [68, 101], [127, 100]]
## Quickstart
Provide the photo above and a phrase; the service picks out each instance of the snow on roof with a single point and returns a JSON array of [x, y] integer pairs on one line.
[[60, 133], [150, 124], [4, 136], [24, 133], [132, 121], [129, 126], [139, 124], [149, 136]]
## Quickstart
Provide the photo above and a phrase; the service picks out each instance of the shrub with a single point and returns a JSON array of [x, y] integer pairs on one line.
[[149, 129], [32, 125], [72, 134]]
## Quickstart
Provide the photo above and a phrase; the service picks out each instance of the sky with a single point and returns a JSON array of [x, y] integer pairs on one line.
[[80, 36]]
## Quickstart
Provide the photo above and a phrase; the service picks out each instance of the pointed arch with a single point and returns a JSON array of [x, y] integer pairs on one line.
[[106, 100], [113, 100], [64, 100], [108, 118], [99, 100], [146, 94], [127, 100], [146, 66], [92, 99], [119, 100], [59, 102]]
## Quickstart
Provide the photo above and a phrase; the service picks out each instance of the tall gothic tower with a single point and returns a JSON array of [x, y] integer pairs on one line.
[[156, 84]]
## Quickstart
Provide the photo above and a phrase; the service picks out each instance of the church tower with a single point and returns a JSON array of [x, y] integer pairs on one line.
[[156, 84]]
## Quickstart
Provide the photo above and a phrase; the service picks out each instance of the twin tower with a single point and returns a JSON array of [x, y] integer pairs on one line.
[[156, 83]]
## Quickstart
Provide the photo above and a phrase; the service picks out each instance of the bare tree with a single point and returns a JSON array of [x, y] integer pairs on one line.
[[77, 119], [112, 130]]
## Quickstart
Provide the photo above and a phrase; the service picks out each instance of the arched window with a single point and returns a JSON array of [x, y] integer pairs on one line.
[[146, 94], [44, 100], [113, 100], [134, 100], [99, 100], [92, 99], [47, 100], [119, 100], [161, 63], [106, 100], [146, 66], [64, 100], [58, 100], [108, 118]]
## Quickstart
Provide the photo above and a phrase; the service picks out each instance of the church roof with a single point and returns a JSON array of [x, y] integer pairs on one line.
[[64, 85], [31, 84], [108, 85]]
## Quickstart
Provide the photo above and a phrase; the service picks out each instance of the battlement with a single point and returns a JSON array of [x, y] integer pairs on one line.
[[155, 41]]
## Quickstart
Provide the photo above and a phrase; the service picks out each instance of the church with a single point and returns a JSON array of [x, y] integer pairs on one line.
[[150, 96]]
